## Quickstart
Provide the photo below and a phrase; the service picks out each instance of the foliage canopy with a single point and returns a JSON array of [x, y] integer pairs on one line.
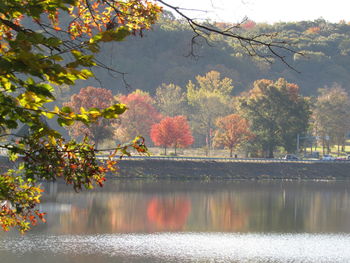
[[277, 114], [39, 50]]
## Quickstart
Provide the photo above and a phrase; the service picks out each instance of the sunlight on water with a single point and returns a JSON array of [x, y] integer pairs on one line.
[[191, 247]]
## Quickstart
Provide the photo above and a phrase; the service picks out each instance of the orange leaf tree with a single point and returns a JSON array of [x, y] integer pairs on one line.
[[233, 130], [91, 97], [172, 131], [38, 51]]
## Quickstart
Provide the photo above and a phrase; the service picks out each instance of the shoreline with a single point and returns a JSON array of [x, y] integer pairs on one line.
[[211, 170], [206, 170]]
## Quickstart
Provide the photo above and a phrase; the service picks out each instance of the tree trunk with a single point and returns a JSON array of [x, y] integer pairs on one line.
[[96, 143], [164, 150], [270, 152], [175, 148], [323, 146], [206, 143], [231, 152], [328, 147]]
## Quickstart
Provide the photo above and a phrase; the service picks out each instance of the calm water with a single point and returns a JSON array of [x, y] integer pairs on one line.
[[140, 221]]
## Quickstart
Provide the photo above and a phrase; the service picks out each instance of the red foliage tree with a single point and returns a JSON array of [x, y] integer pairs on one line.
[[91, 97], [249, 24], [172, 131], [233, 130], [139, 117]]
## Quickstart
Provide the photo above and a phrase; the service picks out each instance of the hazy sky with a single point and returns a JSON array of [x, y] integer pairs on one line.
[[268, 10]]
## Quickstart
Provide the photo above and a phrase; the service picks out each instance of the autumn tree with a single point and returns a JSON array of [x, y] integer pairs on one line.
[[139, 118], [170, 100], [233, 130], [331, 116], [38, 51], [172, 131], [44, 51], [277, 113], [91, 97], [208, 98]]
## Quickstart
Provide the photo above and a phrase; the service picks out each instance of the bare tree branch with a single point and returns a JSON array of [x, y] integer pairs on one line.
[[274, 46]]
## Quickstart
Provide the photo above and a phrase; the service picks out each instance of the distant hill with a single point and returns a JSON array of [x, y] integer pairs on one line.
[[160, 57]]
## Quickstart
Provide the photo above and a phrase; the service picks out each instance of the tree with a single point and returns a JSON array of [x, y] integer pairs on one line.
[[331, 115], [233, 131], [277, 114], [38, 51], [209, 100], [139, 118], [91, 97], [170, 100], [172, 131], [263, 45]]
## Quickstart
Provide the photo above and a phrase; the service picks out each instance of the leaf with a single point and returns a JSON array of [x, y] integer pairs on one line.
[[110, 35], [65, 122], [13, 156], [42, 89], [85, 74], [114, 111], [66, 109], [49, 115], [11, 124], [54, 41], [77, 54]]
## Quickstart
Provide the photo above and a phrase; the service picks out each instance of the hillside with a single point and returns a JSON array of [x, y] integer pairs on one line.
[[161, 56]]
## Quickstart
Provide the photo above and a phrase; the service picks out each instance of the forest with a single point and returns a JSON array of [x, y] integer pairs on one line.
[[171, 75], [125, 75], [164, 55], [203, 114]]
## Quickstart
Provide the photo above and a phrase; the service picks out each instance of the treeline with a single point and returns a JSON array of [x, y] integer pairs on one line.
[[161, 57], [268, 117]]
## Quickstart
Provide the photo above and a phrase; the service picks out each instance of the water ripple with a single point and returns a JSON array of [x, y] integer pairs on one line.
[[191, 247]]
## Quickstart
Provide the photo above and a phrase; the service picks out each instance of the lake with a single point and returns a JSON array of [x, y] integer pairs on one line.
[[189, 221]]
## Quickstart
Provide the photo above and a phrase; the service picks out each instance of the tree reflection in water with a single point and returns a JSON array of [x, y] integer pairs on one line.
[[168, 212], [285, 207]]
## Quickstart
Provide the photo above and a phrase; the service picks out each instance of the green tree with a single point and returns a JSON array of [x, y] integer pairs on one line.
[[331, 115], [208, 99], [39, 51], [170, 100], [277, 114]]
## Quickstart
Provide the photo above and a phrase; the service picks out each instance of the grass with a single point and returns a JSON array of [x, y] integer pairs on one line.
[[201, 152], [334, 150]]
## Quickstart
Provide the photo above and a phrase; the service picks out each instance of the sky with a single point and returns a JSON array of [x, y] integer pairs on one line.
[[269, 11]]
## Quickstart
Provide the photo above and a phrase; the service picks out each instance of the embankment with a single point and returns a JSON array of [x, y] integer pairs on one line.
[[187, 169], [177, 169]]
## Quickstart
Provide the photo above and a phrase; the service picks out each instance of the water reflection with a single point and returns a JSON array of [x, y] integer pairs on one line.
[[131, 207], [229, 221], [168, 213]]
